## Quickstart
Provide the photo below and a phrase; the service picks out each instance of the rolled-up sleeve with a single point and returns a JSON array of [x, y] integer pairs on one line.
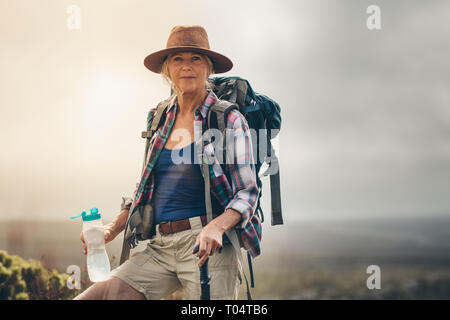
[[241, 168]]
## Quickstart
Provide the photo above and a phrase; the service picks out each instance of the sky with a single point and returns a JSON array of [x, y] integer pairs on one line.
[[366, 113]]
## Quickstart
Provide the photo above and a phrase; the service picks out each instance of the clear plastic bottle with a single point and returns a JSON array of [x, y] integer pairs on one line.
[[97, 259]]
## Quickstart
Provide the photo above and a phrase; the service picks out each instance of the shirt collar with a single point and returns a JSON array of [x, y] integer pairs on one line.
[[210, 99]]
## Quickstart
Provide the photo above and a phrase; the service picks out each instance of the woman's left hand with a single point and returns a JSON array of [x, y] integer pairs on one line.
[[209, 241]]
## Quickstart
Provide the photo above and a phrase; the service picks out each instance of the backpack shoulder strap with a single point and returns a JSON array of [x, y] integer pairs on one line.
[[155, 116], [217, 118], [218, 113]]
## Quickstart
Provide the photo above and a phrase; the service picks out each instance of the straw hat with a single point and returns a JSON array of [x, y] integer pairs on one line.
[[192, 39]]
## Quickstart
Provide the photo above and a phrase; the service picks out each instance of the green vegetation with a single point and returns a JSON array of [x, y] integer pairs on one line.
[[28, 280]]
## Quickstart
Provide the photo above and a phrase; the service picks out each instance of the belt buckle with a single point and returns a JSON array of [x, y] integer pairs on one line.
[[170, 227]]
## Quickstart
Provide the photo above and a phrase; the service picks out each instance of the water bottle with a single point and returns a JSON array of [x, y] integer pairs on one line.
[[97, 259]]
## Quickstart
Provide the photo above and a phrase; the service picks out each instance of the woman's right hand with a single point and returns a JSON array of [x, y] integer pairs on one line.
[[109, 233], [112, 229]]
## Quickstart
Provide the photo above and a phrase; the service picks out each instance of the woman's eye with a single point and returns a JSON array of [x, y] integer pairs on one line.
[[176, 59], [196, 58]]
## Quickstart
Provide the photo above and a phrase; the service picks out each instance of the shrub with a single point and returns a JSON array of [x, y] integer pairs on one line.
[[29, 280]]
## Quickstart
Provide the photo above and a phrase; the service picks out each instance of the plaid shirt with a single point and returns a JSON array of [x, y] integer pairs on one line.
[[241, 195]]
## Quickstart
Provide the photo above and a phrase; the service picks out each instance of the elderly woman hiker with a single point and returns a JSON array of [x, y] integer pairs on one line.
[[176, 190]]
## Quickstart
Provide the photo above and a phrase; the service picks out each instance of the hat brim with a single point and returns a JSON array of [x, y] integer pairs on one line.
[[155, 60]]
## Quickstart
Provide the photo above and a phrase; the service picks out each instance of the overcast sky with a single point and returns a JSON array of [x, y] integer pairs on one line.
[[366, 113]]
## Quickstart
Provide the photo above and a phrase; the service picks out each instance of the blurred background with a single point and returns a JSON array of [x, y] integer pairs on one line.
[[364, 147]]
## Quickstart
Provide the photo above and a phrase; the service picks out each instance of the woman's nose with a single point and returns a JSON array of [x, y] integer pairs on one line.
[[186, 66]]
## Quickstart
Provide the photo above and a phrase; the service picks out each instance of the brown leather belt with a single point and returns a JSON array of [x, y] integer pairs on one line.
[[168, 227]]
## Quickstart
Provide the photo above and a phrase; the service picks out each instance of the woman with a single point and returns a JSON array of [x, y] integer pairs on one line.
[[176, 190]]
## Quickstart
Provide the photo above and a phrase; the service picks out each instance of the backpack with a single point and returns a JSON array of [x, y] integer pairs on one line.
[[264, 118]]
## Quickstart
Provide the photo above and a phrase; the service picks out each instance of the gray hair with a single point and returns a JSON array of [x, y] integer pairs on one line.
[[165, 73]]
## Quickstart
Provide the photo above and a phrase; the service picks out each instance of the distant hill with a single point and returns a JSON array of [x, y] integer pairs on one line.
[[395, 240], [425, 240]]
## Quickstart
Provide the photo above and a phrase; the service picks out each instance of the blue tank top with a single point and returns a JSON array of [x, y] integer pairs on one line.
[[179, 191]]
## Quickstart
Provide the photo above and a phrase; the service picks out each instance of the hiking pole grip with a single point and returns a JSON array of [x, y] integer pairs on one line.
[[204, 278]]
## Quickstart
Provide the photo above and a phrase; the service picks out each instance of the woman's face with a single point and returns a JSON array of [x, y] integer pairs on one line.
[[188, 71]]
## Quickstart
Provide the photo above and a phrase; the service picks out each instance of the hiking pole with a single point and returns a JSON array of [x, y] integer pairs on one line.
[[204, 279]]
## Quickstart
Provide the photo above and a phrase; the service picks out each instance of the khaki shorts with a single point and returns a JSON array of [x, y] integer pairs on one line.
[[167, 264]]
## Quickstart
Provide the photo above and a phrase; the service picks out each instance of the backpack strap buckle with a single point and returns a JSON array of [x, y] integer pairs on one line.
[[146, 134]]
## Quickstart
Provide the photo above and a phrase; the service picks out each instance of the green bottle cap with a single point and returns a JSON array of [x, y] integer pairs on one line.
[[94, 215]]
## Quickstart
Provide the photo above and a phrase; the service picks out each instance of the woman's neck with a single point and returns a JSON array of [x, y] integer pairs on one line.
[[189, 101]]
